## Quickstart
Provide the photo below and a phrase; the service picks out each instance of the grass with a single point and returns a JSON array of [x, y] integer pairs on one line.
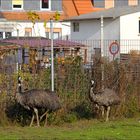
[[128, 129]]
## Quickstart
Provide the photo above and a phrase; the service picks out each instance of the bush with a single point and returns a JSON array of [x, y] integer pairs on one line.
[[131, 108], [70, 117], [84, 110]]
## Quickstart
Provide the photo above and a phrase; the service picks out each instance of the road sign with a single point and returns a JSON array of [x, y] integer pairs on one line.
[[114, 48]]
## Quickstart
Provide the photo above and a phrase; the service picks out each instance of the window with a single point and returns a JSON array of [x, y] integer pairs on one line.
[[28, 32], [1, 35], [47, 34], [45, 4], [25, 56], [99, 3], [17, 4], [76, 27], [56, 35], [8, 34], [119, 3]]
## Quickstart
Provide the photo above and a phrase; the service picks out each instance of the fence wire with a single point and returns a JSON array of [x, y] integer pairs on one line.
[[76, 63]]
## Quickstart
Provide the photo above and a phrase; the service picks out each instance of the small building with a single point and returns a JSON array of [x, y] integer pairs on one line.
[[37, 50]]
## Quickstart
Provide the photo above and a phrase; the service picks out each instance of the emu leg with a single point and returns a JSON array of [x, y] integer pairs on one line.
[[97, 110], [107, 113], [102, 111], [37, 118], [43, 115], [46, 120], [32, 120]]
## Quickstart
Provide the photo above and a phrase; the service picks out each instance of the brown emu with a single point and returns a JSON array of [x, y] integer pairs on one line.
[[104, 99], [36, 99]]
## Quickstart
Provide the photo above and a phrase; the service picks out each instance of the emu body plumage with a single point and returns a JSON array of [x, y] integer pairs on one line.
[[35, 99]]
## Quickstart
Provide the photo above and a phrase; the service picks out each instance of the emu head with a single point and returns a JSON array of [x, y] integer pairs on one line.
[[92, 82], [19, 79], [92, 89], [19, 84]]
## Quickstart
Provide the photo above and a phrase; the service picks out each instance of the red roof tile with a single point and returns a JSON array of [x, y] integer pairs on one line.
[[20, 15]]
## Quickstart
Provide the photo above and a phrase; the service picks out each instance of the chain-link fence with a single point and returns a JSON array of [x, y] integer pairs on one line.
[[76, 63]]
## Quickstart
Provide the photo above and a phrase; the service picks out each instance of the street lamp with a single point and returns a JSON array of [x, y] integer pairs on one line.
[[102, 49], [52, 55]]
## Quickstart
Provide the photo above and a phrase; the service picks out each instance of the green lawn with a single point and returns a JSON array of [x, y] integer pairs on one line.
[[82, 130]]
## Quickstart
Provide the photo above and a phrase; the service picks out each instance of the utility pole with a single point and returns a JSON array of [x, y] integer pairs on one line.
[[102, 36], [102, 49], [52, 55]]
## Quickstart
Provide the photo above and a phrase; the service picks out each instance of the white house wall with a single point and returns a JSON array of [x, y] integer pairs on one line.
[[38, 29], [129, 32], [129, 26], [90, 30]]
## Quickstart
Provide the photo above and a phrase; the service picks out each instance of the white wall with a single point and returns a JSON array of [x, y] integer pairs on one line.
[[90, 30], [39, 29], [129, 32], [129, 26]]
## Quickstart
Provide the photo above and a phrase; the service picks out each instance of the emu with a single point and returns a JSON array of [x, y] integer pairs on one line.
[[104, 99], [36, 99]]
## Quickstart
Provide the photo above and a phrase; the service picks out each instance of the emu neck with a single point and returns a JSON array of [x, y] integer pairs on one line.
[[92, 95], [19, 86], [19, 89], [18, 94]]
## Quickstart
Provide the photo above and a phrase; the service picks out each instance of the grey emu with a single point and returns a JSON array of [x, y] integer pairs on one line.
[[104, 99], [36, 99]]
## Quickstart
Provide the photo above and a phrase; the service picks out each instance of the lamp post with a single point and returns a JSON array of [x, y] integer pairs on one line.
[[56, 18], [102, 49], [52, 55]]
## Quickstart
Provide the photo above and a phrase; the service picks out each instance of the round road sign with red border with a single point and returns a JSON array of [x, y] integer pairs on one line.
[[114, 48]]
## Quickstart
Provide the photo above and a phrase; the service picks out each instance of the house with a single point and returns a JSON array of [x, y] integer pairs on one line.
[[16, 18], [121, 24]]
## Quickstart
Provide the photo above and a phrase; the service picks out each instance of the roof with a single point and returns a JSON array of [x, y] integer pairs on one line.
[[78, 7], [109, 13], [7, 46], [23, 16], [40, 42], [70, 8]]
